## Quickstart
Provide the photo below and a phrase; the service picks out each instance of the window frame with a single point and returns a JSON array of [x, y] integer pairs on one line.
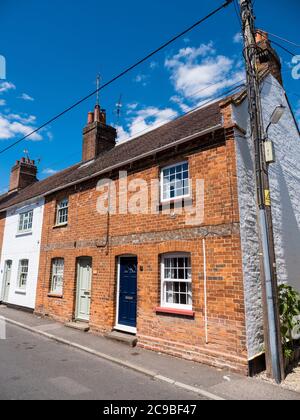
[[21, 286], [164, 281], [52, 290], [59, 208], [22, 216], [166, 200]]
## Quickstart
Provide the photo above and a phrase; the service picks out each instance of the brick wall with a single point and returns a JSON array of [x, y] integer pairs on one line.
[[148, 237], [2, 226]]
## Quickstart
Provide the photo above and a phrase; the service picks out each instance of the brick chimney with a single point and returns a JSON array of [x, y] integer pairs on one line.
[[98, 137], [22, 174], [268, 57]]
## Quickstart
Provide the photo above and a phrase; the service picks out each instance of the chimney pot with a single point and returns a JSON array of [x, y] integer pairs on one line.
[[103, 116], [97, 113], [90, 117]]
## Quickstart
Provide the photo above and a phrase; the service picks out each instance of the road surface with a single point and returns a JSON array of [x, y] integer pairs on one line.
[[33, 367]]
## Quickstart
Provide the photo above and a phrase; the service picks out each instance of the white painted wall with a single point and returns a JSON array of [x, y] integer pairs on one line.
[[285, 193], [25, 246]]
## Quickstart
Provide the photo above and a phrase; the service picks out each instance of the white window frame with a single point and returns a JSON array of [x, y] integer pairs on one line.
[[25, 218], [164, 281], [57, 271], [23, 270], [177, 197], [61, 208]]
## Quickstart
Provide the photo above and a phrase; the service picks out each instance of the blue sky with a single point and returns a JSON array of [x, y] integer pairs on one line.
[[55, 49]]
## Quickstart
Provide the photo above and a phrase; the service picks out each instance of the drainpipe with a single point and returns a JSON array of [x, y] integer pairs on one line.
[[205, 290]]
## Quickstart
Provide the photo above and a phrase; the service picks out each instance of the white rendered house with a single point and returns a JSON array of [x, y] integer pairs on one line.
[[20, 254]]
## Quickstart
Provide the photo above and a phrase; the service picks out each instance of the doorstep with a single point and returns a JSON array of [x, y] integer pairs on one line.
[[124, 338], [77, 325]]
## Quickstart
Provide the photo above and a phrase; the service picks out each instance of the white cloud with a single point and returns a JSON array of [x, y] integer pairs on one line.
[[145, 120], [6, 86], [16, 124], [238, 39], [26, 97], [24, 119], [189, 54], [122, 134], [13, 125], [131, 108], [50, 135], [178, 100], [154, 65], [199, 73], [141, 78], [49, 171]]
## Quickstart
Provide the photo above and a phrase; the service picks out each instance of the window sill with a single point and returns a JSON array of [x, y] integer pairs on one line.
[[176, 203], [21, 234], [173, 311], [53, 295], [60, 226]]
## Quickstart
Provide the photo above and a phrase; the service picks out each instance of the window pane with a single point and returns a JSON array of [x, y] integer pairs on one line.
[[23, 273], [25, 221], [175, 181], [57, 276], [177, 288], [62, 212]]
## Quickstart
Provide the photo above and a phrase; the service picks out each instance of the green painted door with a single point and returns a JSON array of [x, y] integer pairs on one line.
[[6, 280], [84, 280]]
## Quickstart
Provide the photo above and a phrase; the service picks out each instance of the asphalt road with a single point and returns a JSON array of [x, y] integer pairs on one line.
[[35, 368]]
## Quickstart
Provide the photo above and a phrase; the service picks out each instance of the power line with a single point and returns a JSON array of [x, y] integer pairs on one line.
[[236, 8], [123, 73], [283, 48], [285, 40]]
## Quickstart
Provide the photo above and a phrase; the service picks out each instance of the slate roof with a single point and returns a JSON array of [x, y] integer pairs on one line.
[[187, 125]]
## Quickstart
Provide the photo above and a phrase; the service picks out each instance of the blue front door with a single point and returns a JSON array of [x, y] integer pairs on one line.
[[128, 292]]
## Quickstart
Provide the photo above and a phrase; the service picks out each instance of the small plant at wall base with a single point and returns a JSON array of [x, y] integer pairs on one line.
[[289, 308]]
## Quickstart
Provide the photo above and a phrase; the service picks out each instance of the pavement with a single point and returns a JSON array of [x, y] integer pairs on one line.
[[200, 381]]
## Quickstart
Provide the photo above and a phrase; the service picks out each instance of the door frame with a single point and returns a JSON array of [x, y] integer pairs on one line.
[[119, 327], [4, 279], [77, 318]]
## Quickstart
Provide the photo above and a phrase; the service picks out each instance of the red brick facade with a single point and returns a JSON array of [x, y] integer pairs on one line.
[[211, 158], [2, 226]]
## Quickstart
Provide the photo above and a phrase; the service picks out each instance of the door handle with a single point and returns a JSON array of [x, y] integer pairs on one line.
[[87, 293], [128, 297]]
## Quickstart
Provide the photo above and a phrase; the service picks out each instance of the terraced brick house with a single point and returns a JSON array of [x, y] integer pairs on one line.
[[180, 269]]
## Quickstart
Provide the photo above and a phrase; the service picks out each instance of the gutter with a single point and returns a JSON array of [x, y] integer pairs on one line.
[[118, 165]]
